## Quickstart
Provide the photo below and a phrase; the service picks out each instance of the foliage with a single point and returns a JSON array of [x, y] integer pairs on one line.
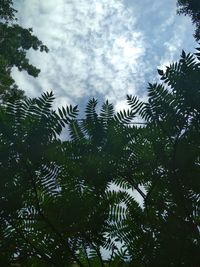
[[165, 165], [49, 185], [7, 12], [58, 203], [15, 41], [191, 8]]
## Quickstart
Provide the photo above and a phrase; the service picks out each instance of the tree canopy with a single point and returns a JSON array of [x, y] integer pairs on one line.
[[58, 205], [15, 41], [191, 8]]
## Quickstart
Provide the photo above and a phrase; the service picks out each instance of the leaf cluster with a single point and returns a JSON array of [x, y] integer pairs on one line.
[[191, 8], [110, 183], [14, 43]]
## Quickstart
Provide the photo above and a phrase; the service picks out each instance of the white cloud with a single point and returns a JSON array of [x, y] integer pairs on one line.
[[173, 47], [98, 47], [93, 46]]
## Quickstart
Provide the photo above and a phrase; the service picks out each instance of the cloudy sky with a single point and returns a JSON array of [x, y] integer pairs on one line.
[[101, 48]]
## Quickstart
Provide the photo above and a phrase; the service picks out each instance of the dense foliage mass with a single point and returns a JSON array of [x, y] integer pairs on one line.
[[191, 8], [58, 205], [14, 43]]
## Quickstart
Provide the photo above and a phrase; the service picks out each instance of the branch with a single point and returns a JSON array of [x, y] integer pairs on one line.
[[48, 223], [38, 251], [136, 187], [87, 238]]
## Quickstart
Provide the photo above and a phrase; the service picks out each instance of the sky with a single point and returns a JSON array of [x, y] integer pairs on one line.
[[101, 48]]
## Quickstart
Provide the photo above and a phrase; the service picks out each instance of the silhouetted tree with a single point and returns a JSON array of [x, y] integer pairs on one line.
[[164, 168], [191, 8], [14, 42], [57, 202]]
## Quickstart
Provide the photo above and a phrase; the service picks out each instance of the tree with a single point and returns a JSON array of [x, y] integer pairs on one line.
[[191, 8], [164, 169], [26, 193], [57, 206], [14, 42], [53, 202], [7, 12]]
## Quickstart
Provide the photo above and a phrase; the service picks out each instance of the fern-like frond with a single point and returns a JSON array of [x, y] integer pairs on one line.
[[90, 110], [117, 213], [161, 104], [188, 60], [107, 111], [122, 183], [125, 116], [47, 180], [172, 74], [68, 113], [44, 104], [134, 103], [198, 53]]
